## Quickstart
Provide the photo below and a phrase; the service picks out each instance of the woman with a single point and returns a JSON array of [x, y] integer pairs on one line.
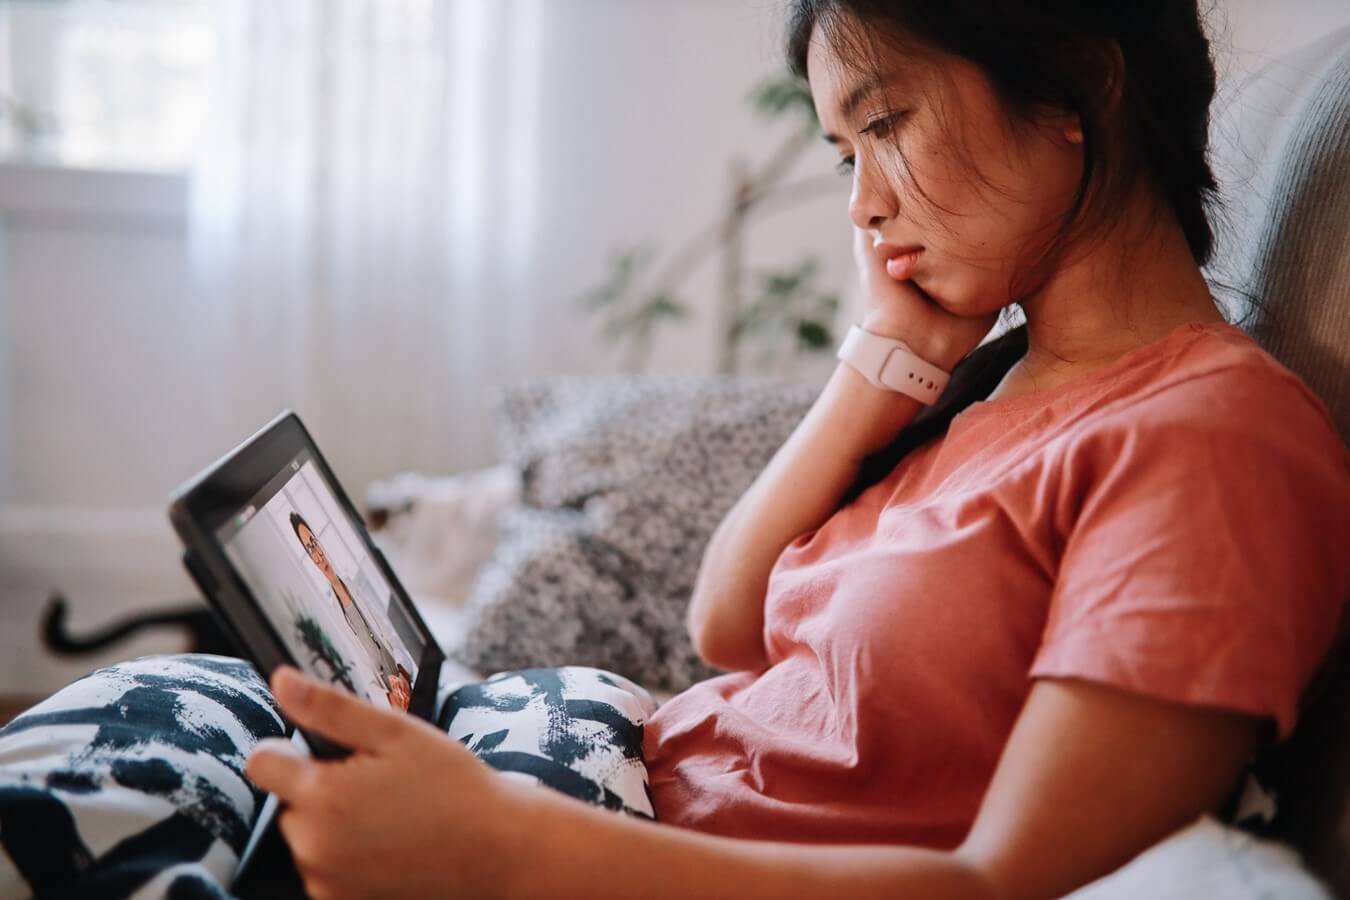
[[1046, 637], [992, 651], [394, 678]]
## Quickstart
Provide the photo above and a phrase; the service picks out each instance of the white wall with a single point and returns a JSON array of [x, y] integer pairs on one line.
[[91, 273], [644, 106], [1248, 34], [6, 388], [100, 417]]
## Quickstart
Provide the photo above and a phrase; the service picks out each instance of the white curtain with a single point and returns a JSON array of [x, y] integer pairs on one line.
[[365, 193]]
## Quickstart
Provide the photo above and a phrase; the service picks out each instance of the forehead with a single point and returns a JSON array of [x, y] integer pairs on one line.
[[846, 64]]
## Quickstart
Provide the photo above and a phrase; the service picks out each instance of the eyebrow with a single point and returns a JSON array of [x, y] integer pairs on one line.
[[854, 98]]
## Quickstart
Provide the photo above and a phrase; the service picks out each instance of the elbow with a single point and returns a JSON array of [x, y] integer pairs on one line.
[[732, 657], [726, 646], [979, 875]]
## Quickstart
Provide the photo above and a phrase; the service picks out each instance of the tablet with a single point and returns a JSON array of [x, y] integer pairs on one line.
[[283, 558]]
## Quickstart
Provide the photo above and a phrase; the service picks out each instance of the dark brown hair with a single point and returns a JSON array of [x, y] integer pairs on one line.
[[1069, 55], [1140, 77], [296, 521]]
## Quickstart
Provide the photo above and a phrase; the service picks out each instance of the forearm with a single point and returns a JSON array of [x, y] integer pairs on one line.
[[799, 489], [570, 850]]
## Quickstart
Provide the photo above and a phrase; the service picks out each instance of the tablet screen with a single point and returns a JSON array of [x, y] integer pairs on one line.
[[313, 577]]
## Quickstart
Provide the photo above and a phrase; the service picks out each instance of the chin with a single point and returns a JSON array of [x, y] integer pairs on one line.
[[946, 295], [966, 301]]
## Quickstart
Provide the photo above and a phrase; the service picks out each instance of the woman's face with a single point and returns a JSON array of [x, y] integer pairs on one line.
[[315, 551], [937, 164]]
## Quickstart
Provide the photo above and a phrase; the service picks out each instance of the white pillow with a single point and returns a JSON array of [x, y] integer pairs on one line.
[[1210, 860], [441, 530]]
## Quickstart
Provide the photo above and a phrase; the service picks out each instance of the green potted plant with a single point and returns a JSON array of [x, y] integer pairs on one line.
[[775, 313]]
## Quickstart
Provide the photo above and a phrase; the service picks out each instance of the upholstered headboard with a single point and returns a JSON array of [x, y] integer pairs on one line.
[[1281, 151]]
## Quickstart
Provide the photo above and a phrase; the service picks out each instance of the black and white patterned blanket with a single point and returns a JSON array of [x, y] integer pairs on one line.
[[130, 781]]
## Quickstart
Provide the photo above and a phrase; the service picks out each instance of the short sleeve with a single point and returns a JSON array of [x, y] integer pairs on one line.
[[1204, 557]]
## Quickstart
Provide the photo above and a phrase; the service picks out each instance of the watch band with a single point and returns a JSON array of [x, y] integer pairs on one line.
[[888, 363]]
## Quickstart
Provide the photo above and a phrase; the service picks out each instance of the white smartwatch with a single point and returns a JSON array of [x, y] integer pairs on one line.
[[889, 364]]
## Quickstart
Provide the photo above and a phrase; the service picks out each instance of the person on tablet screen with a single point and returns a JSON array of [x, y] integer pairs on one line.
[[394, 678]]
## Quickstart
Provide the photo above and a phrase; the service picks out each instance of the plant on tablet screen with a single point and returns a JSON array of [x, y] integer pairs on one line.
[[323, 652]]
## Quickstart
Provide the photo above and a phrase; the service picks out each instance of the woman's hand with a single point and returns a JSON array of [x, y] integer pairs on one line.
[[400, 691], [901, 310], [411, 813]]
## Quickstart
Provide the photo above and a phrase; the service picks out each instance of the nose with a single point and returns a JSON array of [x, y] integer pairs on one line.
[[872, 201]]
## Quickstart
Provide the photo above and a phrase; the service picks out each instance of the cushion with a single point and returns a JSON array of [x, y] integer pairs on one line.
[[437, 532], [623, 481], [1211, 860], [132, 779], [575, 729], [1281, 152], [1280, 143]]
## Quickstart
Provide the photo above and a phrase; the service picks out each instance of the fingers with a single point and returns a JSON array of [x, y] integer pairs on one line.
[[280, 767], [327, 711]]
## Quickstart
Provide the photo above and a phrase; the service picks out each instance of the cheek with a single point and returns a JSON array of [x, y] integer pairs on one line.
[[994, 234], [933, 193], [996, 268], [983, 216], [946, 204], [968, 290], [973, 269]]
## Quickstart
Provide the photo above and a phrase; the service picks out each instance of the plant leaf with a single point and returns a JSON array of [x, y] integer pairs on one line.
[[782, 93], [666, 306], [814, 335], [624, 268]]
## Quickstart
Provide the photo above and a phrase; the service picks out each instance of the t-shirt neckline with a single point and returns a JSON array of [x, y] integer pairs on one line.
[[1022, 402]]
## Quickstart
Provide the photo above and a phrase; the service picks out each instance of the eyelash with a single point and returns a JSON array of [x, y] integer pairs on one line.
[[879, 128]]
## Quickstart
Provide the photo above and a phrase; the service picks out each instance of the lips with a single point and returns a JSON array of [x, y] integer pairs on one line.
[[900, 261]]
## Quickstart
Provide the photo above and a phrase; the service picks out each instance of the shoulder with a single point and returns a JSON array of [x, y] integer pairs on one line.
[[1219, 382], [1220, 430]]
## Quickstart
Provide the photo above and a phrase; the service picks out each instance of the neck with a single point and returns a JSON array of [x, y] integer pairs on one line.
[[1129, 288]]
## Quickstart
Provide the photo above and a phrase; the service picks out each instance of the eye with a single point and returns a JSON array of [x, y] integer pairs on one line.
[[883, 125], [880, 127]]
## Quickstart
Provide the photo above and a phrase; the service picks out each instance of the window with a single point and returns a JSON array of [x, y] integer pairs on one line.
[[104, 84]]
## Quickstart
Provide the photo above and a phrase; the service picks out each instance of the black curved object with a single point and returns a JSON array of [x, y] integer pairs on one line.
[[205, 633], [1313, 770]]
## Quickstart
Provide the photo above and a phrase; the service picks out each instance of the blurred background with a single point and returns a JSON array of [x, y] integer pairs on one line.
[[374, 212]]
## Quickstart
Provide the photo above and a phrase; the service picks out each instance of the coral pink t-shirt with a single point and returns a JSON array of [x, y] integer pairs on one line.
[[1172, 523]]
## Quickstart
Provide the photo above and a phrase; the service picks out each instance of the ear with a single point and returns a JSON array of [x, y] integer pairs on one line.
[[1063, 125], [1099, 70]]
